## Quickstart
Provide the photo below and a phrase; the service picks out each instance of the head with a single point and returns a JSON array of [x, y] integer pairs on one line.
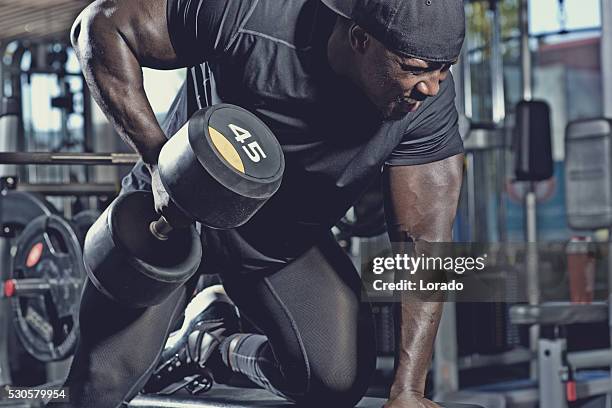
[[397, 51]]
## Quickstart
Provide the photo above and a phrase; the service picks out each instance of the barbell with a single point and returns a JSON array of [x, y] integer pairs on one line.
[[108, 159]]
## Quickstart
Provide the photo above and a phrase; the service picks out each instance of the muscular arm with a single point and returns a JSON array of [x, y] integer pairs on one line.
[[421, 202], [113, 40]]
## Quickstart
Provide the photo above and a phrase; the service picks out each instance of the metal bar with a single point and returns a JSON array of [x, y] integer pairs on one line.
[[27, 287], [113, 159], [578, 359], [531, 226], [517, 356], [81, 189], [497, 67], [606, 55], [526, 80], [533, 292], [590, 358], [65, 171], [88, 128], [533, 283], [44, 71], [467, 83], [551, 387], [2, 70]]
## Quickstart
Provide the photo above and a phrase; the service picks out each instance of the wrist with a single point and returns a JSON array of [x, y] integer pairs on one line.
[[400, 389], [407, 381], [150, 156], [149, 160]]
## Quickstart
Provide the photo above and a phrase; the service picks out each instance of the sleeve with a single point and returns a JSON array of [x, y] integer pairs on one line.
[[433, 134], [203, 29]]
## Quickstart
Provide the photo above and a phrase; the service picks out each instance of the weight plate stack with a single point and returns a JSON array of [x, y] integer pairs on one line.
[[45, 287], [17, 209]]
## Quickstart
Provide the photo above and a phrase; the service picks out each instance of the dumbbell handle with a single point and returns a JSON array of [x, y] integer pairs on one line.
[[160, 228], [25, 287]]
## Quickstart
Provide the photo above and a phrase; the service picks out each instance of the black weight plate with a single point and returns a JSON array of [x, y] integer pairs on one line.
[[127, 263], [18, 208], [222, 167], [83, 221], [47, 325]]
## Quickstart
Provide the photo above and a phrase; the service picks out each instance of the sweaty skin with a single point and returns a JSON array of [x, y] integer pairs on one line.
[[114, 39]]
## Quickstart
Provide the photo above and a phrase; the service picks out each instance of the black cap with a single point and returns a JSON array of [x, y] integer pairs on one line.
[[431, 30]]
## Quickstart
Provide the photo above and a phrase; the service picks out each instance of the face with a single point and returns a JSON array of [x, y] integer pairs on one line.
[[396, 85]]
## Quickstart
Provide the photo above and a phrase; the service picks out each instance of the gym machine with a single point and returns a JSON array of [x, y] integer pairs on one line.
[[566, 378], [449, 364]]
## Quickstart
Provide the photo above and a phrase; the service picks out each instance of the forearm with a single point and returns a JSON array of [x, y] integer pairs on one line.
[[418, 325], [419, 312], [114, 75], [420, 205]]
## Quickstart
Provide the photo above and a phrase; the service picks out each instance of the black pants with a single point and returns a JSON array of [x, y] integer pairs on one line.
[[318, 347]]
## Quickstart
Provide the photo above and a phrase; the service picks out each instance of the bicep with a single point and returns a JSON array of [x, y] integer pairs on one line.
[[421, 200]]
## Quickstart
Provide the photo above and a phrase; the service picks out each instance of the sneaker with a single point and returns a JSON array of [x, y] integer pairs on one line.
[[192, 352]]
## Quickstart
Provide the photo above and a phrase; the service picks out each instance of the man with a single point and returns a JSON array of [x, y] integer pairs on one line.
[[351, 89]]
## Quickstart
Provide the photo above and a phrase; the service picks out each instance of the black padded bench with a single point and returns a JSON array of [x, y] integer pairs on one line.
[[228, 397]]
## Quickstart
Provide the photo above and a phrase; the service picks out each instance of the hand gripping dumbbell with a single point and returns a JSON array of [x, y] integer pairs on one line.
[[219, 169]]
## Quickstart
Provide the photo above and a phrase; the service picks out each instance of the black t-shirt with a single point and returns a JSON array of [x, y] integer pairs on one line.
[[269, 56]]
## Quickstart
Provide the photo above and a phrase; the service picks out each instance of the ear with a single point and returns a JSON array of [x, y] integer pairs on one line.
[[359, 39]]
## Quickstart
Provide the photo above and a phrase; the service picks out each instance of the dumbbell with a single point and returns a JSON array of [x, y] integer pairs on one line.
[[218, 169]]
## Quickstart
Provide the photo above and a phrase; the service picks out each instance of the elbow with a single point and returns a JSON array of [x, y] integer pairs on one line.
[[90, 24], [75, 32]]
